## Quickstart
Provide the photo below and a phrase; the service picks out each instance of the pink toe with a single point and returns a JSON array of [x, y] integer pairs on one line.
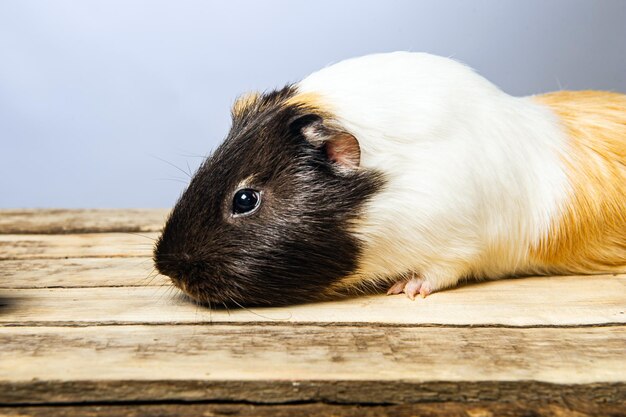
[[425, 289], [412, 288], [396, 288]]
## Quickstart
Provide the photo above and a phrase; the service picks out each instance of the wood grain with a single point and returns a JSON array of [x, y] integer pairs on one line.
[[79, 272], [60, 221], [303, 363], [83, 322], [555, 301], [76, 245], [569, 408]]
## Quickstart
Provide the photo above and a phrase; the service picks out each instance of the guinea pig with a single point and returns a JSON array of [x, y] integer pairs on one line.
[[404, 171]]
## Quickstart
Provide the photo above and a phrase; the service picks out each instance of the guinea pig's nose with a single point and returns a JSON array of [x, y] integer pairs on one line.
[[172, 265], [167, 268], [188, 268]]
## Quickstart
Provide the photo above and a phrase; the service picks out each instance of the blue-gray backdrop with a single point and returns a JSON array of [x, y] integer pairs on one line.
[[98, 98]]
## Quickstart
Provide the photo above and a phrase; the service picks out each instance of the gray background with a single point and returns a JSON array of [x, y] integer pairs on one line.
[[98, 98]]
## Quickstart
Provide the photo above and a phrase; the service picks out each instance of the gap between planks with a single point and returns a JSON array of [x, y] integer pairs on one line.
[[570, 407], [543, 308], [372, 392]]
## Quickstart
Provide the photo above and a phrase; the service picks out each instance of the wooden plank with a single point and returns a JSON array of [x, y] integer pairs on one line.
[[79, 272], [309, 363], [81, 221], [77, 324], [571, 408], [555, 301], [446, 364], [76, 245]]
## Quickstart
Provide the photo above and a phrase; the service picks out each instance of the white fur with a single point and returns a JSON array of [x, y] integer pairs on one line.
[[474, 175]]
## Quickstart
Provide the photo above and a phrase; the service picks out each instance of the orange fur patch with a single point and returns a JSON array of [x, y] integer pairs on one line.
[[244, 102], [590, 235], [310, 101]]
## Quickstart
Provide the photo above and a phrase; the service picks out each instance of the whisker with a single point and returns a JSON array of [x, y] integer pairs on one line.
[[173, 179], [160, 292], [171, 164], [140, 235], [192, 155], [154, 274], [257, 314], [226, 307]]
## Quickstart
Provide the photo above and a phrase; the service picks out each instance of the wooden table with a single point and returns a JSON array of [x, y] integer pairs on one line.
[[88, 328]]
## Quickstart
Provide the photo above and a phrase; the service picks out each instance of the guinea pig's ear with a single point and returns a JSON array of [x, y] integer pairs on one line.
[[339, 146]]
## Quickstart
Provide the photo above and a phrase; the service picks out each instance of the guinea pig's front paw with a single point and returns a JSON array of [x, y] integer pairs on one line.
[[411, 287]]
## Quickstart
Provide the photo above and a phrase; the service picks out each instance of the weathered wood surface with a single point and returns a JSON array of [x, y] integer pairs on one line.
[[559, 301], [571, 408], [110, 245], [79, 272], [84, 318], [312, 353], [58, 221]]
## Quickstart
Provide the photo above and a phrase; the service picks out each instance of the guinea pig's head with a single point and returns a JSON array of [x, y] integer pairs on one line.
[[268, 218]]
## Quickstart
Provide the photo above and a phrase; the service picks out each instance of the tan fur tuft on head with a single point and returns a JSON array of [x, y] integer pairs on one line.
[[590, 236], [312, 102], [244, 102]]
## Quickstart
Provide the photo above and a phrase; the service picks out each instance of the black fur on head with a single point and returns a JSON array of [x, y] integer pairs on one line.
[[297, 242]]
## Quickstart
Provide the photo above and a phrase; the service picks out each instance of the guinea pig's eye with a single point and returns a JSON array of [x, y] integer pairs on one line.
[[246, 201]]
